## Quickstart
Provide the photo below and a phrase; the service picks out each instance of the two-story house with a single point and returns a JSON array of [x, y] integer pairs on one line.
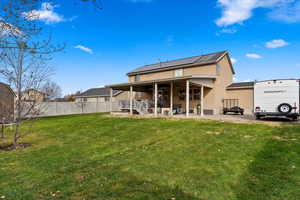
[[33, 95], [195, 85]]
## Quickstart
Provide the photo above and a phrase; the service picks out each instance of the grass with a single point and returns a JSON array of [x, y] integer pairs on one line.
[[96, 157]]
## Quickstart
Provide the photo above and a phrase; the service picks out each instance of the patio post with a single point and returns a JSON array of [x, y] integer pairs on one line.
[[187, 109], [131, 100], [171, 98], [155, 99], [202, 99], [110, 101]]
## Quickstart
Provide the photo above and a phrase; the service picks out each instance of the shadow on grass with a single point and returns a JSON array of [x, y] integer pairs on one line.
[[275, 171], [112, 183]]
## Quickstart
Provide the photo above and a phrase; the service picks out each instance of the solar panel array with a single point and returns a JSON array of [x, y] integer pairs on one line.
[[201, 59]]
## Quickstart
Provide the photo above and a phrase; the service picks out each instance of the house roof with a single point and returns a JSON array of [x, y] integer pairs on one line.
[[206, 59], [8, 88], [101, 92], [241, 85]]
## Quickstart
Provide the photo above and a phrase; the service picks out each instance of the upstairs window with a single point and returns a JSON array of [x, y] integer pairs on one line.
[[137, 78], [178, 73]]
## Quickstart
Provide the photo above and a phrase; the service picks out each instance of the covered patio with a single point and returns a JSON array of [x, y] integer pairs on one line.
[[181, 95]]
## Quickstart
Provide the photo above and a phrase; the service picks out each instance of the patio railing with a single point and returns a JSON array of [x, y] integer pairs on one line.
[[141, 106]]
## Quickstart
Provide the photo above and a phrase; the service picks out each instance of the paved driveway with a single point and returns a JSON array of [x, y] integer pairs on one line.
[[246, 119]]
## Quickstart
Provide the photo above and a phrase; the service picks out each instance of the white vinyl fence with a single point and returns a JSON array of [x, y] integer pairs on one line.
[[69, 108]]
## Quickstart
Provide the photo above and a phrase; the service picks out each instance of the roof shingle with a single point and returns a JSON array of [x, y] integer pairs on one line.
[[104, 92], [241, 85]]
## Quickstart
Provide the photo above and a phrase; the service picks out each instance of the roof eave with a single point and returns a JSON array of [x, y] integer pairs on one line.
[[235, 88]]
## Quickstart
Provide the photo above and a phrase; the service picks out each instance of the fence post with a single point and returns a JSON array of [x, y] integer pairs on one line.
[[56, 113]]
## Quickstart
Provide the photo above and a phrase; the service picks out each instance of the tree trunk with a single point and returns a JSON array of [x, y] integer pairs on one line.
[[2, 130], [16, 135]]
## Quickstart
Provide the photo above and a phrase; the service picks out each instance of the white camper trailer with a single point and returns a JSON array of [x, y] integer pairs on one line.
[[277, 98]]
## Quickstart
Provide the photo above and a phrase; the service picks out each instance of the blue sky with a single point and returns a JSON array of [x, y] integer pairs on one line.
[[262, 36]]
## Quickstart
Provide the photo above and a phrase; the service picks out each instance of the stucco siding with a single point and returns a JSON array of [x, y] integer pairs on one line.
[[224, 78], [200, 70], [197, 70], [245, 97]]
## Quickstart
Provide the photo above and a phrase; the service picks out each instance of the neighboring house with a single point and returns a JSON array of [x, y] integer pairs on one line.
[[7, 99], [33, 95], [100, 95], [197, 84]]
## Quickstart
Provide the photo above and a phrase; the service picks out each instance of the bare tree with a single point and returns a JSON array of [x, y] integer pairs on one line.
[[52, 90], [25, 51]]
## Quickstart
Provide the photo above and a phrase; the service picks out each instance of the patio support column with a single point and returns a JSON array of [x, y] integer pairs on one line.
[[131, 100], [155, 99], [187, 109], [202, 101], [171, 98], [110, 101]]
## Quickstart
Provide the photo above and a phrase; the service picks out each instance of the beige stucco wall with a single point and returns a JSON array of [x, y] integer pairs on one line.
[[224, 78], [245, 96], [198, 70], [122, 96]]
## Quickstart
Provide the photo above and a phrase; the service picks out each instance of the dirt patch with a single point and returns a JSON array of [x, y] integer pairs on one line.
[[11, 147], [283, 138], [213, 133], [248, 136]]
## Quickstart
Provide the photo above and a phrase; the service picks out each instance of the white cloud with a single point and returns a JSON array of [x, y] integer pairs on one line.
[[45, 14], [228, 30], [235, 79], [289, 13], [233, 60], [85, 49], [253, 56], [237, 11], [276, 44]]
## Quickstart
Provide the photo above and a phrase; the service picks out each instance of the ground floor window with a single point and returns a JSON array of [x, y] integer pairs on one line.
[[195, 94]]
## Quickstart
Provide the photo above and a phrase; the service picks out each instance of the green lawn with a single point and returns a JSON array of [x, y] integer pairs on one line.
[[96, 157]]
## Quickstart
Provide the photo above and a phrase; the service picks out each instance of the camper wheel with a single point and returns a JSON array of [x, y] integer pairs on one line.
[[285, 108]]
